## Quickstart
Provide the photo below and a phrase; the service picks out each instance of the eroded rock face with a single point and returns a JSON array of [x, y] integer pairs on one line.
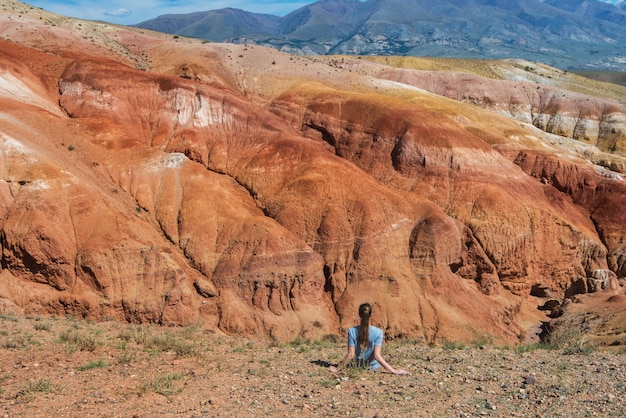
[[125, 229], [273, 204], [591, 120], [527, 230], [596, 191]]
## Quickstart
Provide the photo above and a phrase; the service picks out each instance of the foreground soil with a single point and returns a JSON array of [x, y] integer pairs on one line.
[[71, 368]]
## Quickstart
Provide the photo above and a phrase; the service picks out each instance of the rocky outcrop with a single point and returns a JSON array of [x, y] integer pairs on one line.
[[175, 182], [526, 231], [597, 192], [591, 120]]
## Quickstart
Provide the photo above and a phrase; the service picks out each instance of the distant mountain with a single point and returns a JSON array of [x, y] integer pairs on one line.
[[570, 34], [214, 25], [591, 9]]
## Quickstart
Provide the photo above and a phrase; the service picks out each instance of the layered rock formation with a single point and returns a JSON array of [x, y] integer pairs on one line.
[[531, 93], [157, 179]]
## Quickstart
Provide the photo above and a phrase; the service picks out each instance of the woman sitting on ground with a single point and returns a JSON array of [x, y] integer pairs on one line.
[[365, 343]]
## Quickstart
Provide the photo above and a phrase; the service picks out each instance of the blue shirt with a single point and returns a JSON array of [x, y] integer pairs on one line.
[[375, 339]]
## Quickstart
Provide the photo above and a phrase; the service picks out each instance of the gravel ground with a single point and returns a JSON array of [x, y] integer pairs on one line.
[[71, 368]]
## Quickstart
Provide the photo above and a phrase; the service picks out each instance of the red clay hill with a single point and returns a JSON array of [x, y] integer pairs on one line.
[[151, 178]]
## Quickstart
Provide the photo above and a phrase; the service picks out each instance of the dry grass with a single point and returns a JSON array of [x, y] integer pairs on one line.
[[151, 371], [496, 70], [482, 68]]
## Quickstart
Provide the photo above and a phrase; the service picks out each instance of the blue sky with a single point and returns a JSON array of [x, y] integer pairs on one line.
[[128, 12]]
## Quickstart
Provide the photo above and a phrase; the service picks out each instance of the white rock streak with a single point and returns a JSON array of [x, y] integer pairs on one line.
[[15, 89]]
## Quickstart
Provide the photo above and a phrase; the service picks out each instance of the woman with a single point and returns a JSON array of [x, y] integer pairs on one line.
[[365, 343]]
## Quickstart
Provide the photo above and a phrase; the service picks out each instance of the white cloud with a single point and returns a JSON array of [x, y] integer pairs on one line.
[[118, 13]]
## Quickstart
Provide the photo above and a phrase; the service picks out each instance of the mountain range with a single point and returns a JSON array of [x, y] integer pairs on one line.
[[569, 34]]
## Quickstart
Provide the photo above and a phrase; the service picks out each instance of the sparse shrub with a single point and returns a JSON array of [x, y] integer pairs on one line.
[[563, 366], [356, 369], [328, 341], [327, 383], [301, 344], [42, 326], [192, 331], [569, 337], [39, 385], [17, 341], [529, 348], [483, 341], [9, 317], [453, 345], [93, 365], [78, 341], [169, 342], [137, 334], [583, 346], [165, 385], [240, 349], [126, 357], [10, 343], [35, 387]]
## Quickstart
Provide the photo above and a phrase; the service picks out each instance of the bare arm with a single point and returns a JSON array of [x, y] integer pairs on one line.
[[349, 356], [379, 358]]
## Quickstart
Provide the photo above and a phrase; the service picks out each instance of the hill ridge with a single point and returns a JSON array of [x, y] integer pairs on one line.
[[559, 33]]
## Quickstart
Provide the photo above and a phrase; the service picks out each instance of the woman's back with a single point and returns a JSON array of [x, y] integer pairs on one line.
[[365, 353]]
